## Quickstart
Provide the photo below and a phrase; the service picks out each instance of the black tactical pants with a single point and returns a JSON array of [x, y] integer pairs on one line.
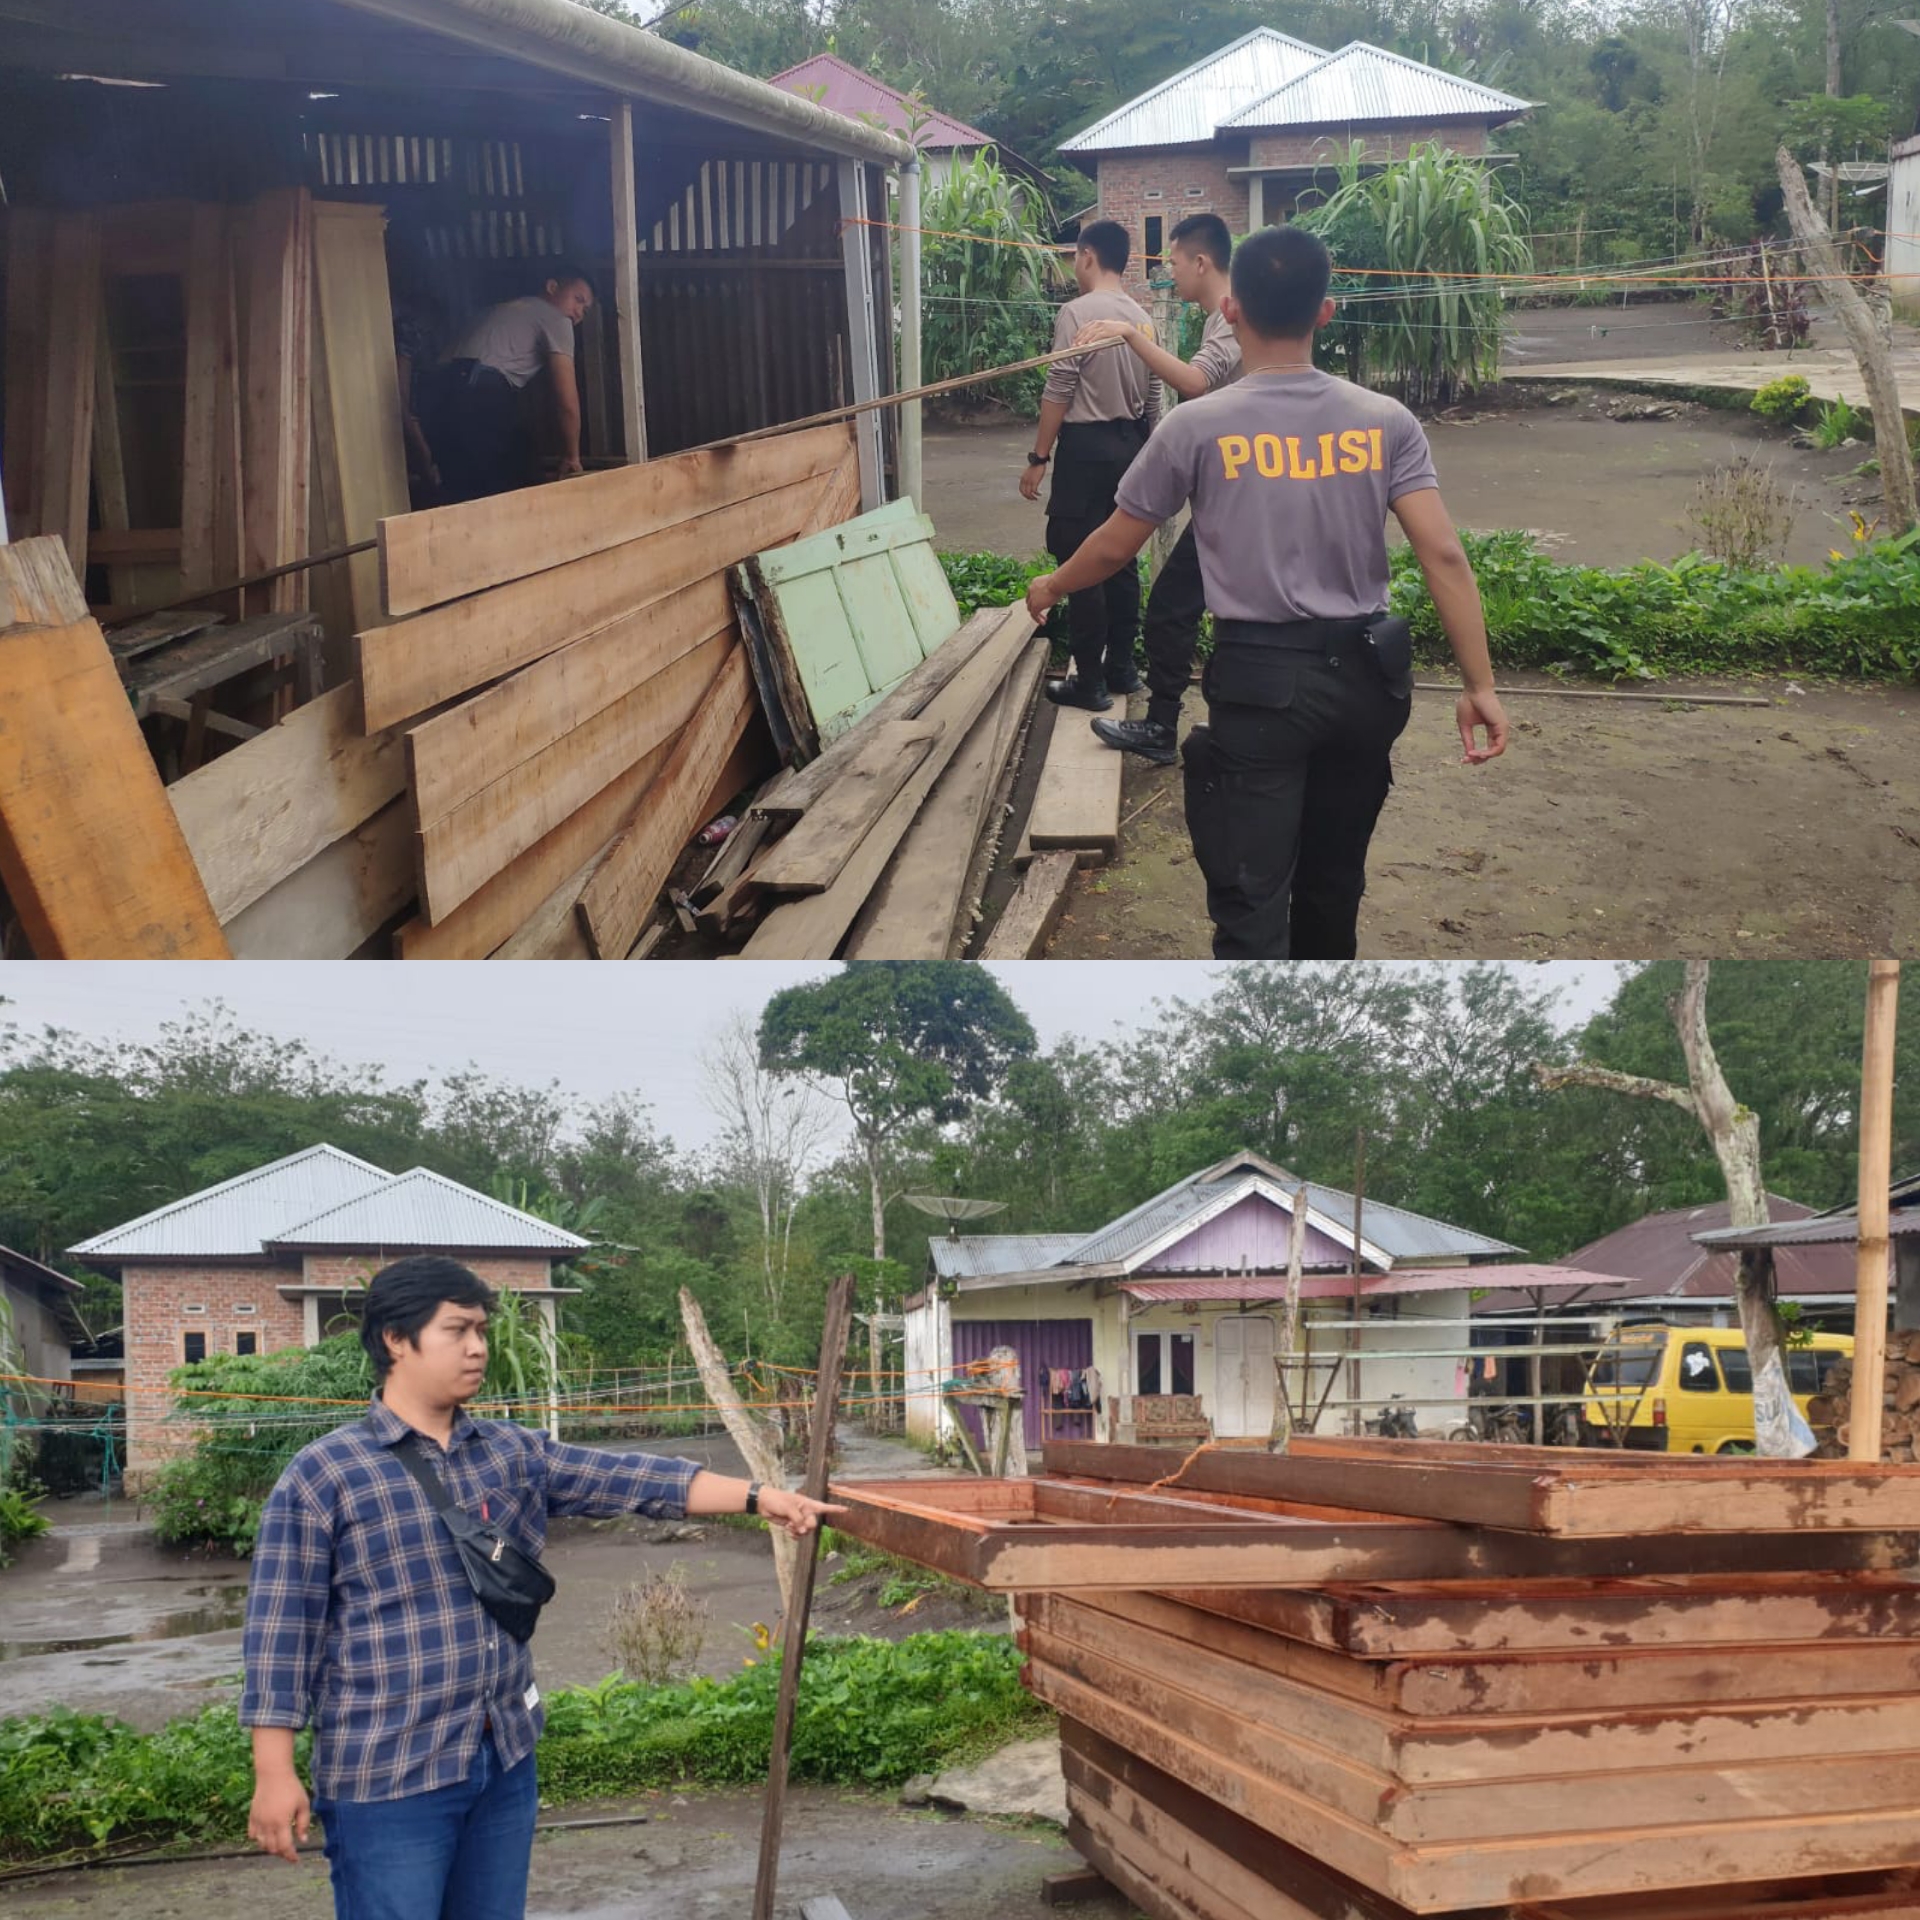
[[1284, 785], [1090, 460], [1172, 630]]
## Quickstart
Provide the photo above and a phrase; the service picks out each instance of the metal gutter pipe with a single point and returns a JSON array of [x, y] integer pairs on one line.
[[910, 467]]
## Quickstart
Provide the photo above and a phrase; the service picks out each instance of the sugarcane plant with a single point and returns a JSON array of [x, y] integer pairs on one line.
[[1421, 247], [988, 279]]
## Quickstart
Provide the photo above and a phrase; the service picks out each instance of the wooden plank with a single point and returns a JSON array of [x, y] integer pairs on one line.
[[839, 499], [626, 282], [466, 749], [447, 553], [31, 306], [109, 461], [66, 424], [1078, 801], [813, 927], [1417, 1620], [90, 852], [211, 478], [431, 657], [38, 586], [1030, 917], [360, 446], [462, 850], [259, 814], [329, 908], [619, 899], [813, 854], [918, 908], [274, 238], [803, 787]]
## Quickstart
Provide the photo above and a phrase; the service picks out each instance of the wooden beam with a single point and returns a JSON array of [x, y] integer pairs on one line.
[[29, 322], [815, 851], [466, 749], [462, 850], [1875, 1175], [447, 553], [38, 587], [626, 284], [619, 900], [91, 855], [211, 479], [66, 424], [258, 815], [431, 657], [332, 906], [1026, 925], [1077, 803], [276, 257]]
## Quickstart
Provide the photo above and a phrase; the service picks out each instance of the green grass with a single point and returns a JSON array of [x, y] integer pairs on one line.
[[870, 1713]]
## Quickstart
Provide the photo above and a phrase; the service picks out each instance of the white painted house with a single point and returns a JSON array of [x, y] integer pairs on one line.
[[1903, 225]]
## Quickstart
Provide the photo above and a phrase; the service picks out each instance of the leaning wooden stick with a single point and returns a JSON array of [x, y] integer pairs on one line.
[[826, 1405], [953, 385]]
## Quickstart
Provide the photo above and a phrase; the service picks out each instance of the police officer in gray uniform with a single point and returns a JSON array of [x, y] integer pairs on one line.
[[1291, 474]]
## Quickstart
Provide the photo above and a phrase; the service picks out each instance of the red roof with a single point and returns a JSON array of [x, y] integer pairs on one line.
[[1328, 1286], [844, 89]]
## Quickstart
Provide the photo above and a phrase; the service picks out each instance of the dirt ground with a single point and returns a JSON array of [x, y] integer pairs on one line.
[[691, 1857], [1609, 830]]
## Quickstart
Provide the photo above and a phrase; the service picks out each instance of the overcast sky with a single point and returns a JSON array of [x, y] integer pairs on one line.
[[597, 1030]]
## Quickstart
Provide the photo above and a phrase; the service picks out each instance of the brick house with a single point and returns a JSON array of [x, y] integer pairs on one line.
[[277, 1257], [1244, 132]]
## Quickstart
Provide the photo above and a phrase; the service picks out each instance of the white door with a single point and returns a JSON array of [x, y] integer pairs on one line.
[[1243, 1378]]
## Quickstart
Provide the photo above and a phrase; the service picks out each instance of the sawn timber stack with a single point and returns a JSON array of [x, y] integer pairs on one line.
[[1302, 1687]]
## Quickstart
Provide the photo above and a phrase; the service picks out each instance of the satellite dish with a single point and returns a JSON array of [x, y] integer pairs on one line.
[[953, 1210]]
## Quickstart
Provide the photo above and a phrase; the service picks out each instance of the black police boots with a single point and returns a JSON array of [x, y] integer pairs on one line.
[[1090, 694], [1147, 738]]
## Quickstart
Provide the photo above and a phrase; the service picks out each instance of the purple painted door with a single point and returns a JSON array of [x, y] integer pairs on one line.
[[1045, 1347]]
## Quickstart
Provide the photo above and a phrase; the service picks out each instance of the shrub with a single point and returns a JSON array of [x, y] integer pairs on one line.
[[1742, 513], [1781, 399], [990, 579], [1837, 424], [20, 1517], [657, 1628]]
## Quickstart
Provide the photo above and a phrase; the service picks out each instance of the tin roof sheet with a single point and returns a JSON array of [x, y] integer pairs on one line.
[[1186, 109], [1823, 1230], [1402, 1280], [234, 1219], [423, 1209], [1362, 83], [841, 86]]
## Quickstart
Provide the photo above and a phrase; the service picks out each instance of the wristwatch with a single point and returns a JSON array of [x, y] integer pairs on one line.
[[1038, 459], [753, 1497]]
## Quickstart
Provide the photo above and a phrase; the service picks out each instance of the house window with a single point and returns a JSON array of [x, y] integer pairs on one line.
[[246, 1306], [1155, 246], [1194, 193], [1163, 1362], [193, 1346], [1153, 193], [248, 1342], [200, 1307]]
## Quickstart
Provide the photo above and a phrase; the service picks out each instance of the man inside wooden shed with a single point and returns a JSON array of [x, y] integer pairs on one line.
[[483, 437]]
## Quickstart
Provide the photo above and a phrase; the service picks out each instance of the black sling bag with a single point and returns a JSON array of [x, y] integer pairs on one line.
[[511, 1585]]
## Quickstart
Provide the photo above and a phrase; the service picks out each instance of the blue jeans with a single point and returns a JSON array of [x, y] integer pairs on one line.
[[456, 1853]]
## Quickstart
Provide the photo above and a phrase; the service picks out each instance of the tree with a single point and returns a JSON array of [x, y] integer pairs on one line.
[[1733, 1131], [897, 1042], [773, 1130]]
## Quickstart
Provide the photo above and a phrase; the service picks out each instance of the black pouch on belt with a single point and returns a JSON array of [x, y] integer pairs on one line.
[[511, 1585], [1390, 647]]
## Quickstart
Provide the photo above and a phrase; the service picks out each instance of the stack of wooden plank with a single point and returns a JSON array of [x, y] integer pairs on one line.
[[1366, 1681]]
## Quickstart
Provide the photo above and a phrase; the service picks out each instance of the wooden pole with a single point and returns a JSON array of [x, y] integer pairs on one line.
[[626, 286], [1356, 1414], [826, 1405], [1876, 1175]]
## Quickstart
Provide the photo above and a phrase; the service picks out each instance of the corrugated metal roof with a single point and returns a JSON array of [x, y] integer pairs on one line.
[[234, 1219], [422, 1209], [1362, 83], [845, 89], [972, 1256], [1185, 110], [1372, 1286], [1405, 1235], [1827, 1229]]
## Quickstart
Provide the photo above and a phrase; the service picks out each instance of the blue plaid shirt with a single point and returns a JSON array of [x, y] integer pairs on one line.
[[360, 1620]]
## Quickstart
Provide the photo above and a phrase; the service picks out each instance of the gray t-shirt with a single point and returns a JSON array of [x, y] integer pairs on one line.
[[1112, 384], [517, 337], [1290, 475], [1218, 355]]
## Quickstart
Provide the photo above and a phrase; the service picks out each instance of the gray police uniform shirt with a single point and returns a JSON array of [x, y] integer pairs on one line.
[[1290, 476], [516, 338], [1111, 383], [1218, 355]]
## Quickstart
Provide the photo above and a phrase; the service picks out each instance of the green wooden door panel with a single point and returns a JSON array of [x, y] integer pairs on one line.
[[818, 632], [880, 619]]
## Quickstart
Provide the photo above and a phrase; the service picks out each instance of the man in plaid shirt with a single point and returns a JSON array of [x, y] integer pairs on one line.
[[361, 1622]]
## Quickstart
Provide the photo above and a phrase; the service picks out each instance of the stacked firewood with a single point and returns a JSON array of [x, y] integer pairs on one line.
[[1829, 1409]]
